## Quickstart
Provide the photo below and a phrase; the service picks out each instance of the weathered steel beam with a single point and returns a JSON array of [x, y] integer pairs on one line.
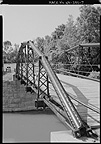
[[81, 128], [90, 45], [84, 45], [67, 104]]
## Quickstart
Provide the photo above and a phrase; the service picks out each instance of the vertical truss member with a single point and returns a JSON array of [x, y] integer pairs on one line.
[[80, 127]]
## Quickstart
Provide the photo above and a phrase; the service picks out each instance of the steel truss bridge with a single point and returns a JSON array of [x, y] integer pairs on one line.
[[38, 76]]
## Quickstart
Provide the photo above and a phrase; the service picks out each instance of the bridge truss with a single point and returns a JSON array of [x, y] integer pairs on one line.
[[34, 70]]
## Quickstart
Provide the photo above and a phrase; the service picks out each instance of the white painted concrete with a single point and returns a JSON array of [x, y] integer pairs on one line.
[[66, 136]]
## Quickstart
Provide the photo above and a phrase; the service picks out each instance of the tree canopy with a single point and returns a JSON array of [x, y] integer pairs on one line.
[[10, 52], [86, 29]]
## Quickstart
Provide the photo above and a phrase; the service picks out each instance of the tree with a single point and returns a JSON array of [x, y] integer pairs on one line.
[[16, 47], [88, 31], [4, 57], [9, 52], [7, 46], [47, 45], [7, 49], [62, 45], [40, 43], [88, 24], [59, 32], [14, 53], [70, 32]]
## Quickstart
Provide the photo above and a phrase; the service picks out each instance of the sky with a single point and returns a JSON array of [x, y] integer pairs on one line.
[[27, 22]]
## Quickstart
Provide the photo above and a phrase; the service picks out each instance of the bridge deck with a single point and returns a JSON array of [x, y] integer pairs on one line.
[[83, 89], [86, 91]]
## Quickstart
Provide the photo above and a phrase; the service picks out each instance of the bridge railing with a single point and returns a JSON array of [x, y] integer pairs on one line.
[[36, 72], [81, 63]]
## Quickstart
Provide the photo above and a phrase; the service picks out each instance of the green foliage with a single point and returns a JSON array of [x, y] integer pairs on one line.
[[47, 45], [7, 46], [86, 29], [40, 43], [59, 32], [62, 45], [70, 33], [88, 24], [94, 74], [9, 52]]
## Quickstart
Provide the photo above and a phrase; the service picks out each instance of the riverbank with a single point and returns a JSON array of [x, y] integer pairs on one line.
[[21, 121], [15, 97]]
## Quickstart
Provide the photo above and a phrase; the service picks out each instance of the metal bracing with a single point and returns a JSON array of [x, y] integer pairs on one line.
[[81, 63], [67, 104], [24, 67], [40, 79], [33, 68], [18, 64], [81, 128], [43, 82], [27, 64], [21, 65]]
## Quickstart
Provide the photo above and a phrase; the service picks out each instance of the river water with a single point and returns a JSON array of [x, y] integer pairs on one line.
[[30, 126]]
